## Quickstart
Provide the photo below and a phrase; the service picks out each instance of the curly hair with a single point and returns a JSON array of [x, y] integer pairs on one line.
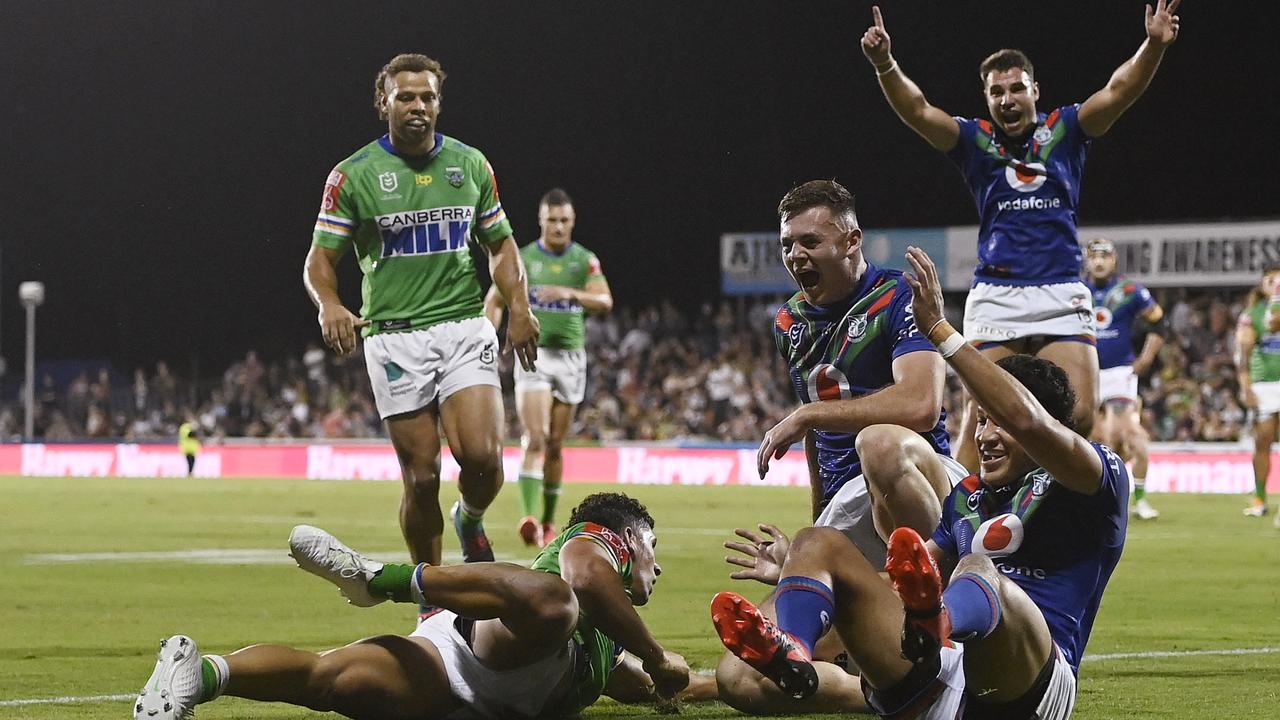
[[1047, 382], [612, 510], [404, 62]]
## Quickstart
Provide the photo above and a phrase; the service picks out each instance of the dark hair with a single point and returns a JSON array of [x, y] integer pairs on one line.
[[818, 192], [1047, 382], [556, 197], [612, 510], [1005, 59], [404, 62]]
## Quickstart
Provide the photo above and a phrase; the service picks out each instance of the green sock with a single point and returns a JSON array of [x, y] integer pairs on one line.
[[213, 677], [550, 494], [1139, 488], [1260, 488], [394, 582], [530, 486]]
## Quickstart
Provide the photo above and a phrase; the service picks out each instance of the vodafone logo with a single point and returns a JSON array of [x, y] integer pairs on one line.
[[826, 382], [1025, 177], [999, 536], [1102, 317]]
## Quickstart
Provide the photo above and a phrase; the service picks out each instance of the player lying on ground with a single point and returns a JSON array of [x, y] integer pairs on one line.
[[1024, 551], [511, 642]]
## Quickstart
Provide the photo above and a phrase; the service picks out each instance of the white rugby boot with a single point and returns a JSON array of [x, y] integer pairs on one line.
[[174, 686], [324, 555], [1143, 510]]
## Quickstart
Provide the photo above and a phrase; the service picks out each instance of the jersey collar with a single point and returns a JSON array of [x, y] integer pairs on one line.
[[868, 280], [548, 252], [385, 142]]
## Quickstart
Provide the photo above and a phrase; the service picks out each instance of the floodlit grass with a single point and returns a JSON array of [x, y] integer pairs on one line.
[[1200, 578]]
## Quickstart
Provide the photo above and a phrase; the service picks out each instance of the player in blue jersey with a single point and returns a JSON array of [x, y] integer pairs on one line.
[[1024, 551], [870, 387], [1024, 169], [1118, 306]]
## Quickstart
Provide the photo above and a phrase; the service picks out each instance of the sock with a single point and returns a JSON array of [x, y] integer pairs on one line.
[[805, 607], [1260, 489], [214, 674], [1139, 488], [393, 582], [973, 606], [530, 484], [415, 589], [471, 516], [550, 495]]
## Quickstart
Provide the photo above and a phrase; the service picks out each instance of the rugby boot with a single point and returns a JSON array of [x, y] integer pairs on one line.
[[549, 533], [529, 531], [1257, 508], [475, 544], [758, 642], [174, 686], [926, 626], [325, 556]]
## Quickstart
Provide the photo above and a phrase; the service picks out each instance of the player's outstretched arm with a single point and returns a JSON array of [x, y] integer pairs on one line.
[[905, 97], [509, 277], [1058, 449], [1131, 79], [320, 277], [589, 570]]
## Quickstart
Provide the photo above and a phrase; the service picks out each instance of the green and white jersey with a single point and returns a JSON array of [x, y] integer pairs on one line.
[[560, 321], [600, 652], [409, 220], [1264, 361]]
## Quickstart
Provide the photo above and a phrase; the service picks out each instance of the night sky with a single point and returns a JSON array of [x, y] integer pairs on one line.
[[163, 161]]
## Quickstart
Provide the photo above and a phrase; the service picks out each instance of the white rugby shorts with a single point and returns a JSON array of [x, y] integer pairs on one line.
[[1268, 398], [494, 694], [1001, 313], [410, 370], [1117, 383], [564, 372], [850, 512]]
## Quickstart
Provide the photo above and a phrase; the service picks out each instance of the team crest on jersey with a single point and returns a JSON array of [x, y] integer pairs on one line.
[[388, 182], [454, 176], [1040, 484], [1000, 536], [1042, 134], [857, 327], [1025, 177]]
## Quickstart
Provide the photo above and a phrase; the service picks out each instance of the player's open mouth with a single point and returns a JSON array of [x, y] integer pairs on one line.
[[807, 278], [417, 124], [1011, 117]]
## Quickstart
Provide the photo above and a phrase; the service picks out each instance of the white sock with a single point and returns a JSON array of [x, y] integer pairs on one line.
[[472, 512], [223, 672]]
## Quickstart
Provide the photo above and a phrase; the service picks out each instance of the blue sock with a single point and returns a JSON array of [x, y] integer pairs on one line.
[[973, 606], [805, 607]]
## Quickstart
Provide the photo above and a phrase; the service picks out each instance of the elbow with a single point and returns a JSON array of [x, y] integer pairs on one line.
[[924, 416], [606, 305]]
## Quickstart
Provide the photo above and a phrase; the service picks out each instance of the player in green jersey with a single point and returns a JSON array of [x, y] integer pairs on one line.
[[565, 281], [1258, 372], [511, 642], [408, 204]]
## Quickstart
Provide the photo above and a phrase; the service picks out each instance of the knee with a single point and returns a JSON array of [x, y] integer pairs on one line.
[[739, 686], [881, 448], [535, 442], [423, 483], [484, 460], [814, 542], [554, 448]]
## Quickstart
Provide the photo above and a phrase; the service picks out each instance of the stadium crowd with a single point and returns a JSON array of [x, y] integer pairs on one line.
[[655, 374]]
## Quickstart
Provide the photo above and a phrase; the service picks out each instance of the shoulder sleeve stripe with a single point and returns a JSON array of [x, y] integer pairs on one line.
[[325, 227], [336, 220], [490, 219]]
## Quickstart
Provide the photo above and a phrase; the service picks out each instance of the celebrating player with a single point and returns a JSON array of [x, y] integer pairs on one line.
[[871, 391], [510, 642], [1258, 373], [1024, 551], [1024, 170], [407, 204], [565, 280], [1117, 305]]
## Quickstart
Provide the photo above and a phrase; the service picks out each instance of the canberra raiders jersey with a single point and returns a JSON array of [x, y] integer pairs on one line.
[[1117, 306], [1264, 361], [560, 320], [846, 350], [409, 220], [599, 654], [1027, 192], [1059, 546]]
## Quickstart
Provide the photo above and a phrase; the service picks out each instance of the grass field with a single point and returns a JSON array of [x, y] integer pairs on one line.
[[93, 572]]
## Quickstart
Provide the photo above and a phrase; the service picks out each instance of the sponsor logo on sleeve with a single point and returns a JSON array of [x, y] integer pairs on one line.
[[332, 186]]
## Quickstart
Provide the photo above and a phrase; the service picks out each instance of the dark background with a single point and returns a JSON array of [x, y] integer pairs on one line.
[[163, 162]]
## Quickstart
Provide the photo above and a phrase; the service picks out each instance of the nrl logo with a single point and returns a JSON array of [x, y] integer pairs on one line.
[[388, 182], [454, 176], [857, 327]]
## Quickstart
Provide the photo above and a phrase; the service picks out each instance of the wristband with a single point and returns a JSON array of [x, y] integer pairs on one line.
[[893, 65], [951, 345], [940, 329]]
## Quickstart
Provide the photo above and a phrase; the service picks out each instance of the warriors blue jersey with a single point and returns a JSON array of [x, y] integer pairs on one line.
[[846, 350], [1027, 192], [1117, 305], [1059, 546]]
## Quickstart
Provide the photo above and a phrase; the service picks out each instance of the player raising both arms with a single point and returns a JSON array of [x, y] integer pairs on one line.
[[1118, 304], [510, 643], [408, 204], [565, 280], [1258, 373], [1024, 170], [1024, 552]]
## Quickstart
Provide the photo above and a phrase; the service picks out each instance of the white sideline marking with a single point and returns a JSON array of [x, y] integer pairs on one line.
[[705, 672], [244, 556], [1184, 653]]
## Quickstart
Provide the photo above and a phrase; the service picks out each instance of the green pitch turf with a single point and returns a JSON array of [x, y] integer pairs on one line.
[[94, 572]]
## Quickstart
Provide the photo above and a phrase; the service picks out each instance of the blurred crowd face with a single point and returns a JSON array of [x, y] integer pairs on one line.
[[1270, 283], [822, 251], [1100, 265], [556, 222]]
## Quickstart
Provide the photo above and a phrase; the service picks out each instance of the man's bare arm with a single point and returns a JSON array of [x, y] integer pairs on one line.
[[906, 98], [320, 278], [1130, 80], [509, 277]]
